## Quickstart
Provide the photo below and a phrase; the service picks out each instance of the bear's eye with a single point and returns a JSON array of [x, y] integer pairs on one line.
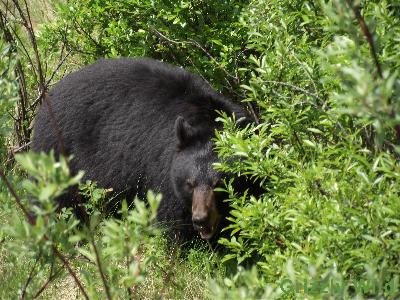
[[189, 184], [217, 182]]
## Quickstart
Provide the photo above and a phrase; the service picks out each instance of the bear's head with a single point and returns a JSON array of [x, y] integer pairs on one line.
[[194, 179]]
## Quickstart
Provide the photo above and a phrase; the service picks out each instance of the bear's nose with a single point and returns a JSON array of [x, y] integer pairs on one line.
[[200, 221]]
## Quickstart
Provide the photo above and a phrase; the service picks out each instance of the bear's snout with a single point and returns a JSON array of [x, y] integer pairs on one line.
[[205, 216]]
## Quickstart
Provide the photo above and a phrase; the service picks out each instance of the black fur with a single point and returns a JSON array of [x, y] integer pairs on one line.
[[120, 118]]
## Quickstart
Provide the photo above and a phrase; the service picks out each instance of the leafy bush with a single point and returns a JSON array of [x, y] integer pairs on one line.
[[326, 147], [197, 34], [104, 256]]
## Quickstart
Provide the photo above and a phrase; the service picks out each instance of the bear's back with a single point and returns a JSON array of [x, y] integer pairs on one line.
[[117, 118]]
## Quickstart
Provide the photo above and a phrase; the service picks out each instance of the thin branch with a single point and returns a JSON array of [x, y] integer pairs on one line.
[[35, 48], [196, 44], [27, 55], [198, 71], [193, 42], [30, 277], [71, 271], [52, 276], [98, 263], [61, 62], [298, 141], [294, 87], [28, 25], [15, 119], [253, 113], [31, 219], [22, 131], [397, 130], [307, 72], [22, 147], [96, 43], [368, 35], [42, 94]]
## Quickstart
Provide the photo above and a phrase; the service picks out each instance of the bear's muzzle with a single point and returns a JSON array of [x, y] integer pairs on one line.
[[205, 215]]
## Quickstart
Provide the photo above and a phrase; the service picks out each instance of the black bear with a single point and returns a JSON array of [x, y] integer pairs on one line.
[[139, 124]]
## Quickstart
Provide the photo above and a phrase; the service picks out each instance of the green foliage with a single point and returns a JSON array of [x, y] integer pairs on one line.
[[244, 285], [8, 93], [58, 231], [116, 258], [51, 177], [204, 36], [324, 150], [96, 196]]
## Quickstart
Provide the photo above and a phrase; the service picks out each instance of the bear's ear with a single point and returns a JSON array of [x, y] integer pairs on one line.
[[184, 132]]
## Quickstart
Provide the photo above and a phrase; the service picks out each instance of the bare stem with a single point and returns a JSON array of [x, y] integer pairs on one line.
[[70, 271], [98, 263], [295, 88], [28, 215], [197, 45], [30, 277], [52, 276], [368, 35]]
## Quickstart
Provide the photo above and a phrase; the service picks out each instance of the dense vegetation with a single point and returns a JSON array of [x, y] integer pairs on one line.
[[322, 80]]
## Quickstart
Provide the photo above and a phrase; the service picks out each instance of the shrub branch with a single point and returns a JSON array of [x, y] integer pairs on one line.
[[32, 221], [52, 276], [368, 35], [98, 263]]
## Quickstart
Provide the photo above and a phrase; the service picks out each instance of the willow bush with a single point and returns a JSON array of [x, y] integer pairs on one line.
[[326, 150], [203, 36]]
